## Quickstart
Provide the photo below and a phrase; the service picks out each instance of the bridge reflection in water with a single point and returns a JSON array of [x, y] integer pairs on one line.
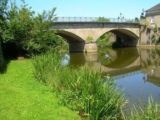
[[136, 71]]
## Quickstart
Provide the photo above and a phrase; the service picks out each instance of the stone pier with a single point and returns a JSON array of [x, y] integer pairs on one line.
[[90, 47]]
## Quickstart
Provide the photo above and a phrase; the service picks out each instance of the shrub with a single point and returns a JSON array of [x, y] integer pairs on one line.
[[105, 40], [89, 39], [25, 33], [103, 19]]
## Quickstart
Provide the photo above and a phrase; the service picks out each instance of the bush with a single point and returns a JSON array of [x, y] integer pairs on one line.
[[103, 19], [89, 39], [82, 89], [27, 33], [105, 40]]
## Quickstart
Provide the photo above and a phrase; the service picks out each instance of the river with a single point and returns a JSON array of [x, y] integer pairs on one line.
[[136, 71]]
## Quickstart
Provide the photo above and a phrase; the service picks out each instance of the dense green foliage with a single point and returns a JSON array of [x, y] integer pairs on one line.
[[82, 89], [27, 33], [89, 39], [105, 40], [24, 98], [102, 19], [3, 5]]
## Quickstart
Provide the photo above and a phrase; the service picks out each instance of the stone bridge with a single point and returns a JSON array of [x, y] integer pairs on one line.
[[78, 33]]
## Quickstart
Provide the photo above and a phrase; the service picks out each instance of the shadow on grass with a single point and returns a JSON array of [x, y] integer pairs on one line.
[[4, 65], [7, 59]]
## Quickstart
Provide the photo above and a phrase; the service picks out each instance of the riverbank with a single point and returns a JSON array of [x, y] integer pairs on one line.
[[24, 98], [83, 89]]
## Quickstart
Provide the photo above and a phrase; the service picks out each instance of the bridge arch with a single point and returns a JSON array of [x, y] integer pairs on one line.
[[121, 37], [76, 43]]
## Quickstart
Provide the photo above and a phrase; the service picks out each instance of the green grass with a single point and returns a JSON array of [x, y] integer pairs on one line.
[[24, 98]]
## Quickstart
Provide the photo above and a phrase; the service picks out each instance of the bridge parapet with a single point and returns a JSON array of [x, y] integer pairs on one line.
[[76, 25], [93, 19]]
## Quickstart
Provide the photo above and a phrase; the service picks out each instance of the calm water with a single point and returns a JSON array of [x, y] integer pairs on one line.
[[136, 71]]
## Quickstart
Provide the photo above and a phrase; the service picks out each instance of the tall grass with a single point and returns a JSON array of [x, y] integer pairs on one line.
[[82, 89]]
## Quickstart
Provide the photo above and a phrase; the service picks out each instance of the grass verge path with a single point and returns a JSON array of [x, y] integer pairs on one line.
[[24, 98]]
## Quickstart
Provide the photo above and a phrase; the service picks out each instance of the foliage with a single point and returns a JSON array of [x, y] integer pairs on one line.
[[19, 26], [145, 23], [155, 38], [24, 98], [151, 112], [43, 39], [137, 20], [155, 29], [29, 33], [102, 19], [89, 39], [3, 4], [104, 40], [142, 15], [82, 89], [3, 7]]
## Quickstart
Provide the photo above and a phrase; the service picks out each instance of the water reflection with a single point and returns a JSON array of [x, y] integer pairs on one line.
[[77, 59], [74, 59], [118, 58], [136, 71], [150, 62]]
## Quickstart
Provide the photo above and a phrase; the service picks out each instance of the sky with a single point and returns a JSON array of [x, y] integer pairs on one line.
[[93, 8]]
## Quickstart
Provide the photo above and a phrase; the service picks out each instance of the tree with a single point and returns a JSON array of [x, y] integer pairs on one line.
[[3, 17], [102, 19], [155, 38], [104, 40], [43, 39], [27, 33], [19, 25], [142, 14], [136, 19], [3, 6]]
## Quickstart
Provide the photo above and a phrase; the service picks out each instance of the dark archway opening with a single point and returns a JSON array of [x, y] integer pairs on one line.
[[118, 38], [76, 44], [124, 38]]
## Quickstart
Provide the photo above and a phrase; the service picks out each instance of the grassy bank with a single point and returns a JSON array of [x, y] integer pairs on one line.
[[82, 89], [24, 98]]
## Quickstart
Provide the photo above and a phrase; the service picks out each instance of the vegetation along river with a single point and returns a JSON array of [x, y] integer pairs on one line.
[[136, 71]]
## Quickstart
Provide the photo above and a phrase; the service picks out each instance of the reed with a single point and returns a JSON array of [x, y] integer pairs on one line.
[[82, 89], [150, 112]]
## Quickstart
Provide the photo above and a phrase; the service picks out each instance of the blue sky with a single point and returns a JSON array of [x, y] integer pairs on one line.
[[93, 8]]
